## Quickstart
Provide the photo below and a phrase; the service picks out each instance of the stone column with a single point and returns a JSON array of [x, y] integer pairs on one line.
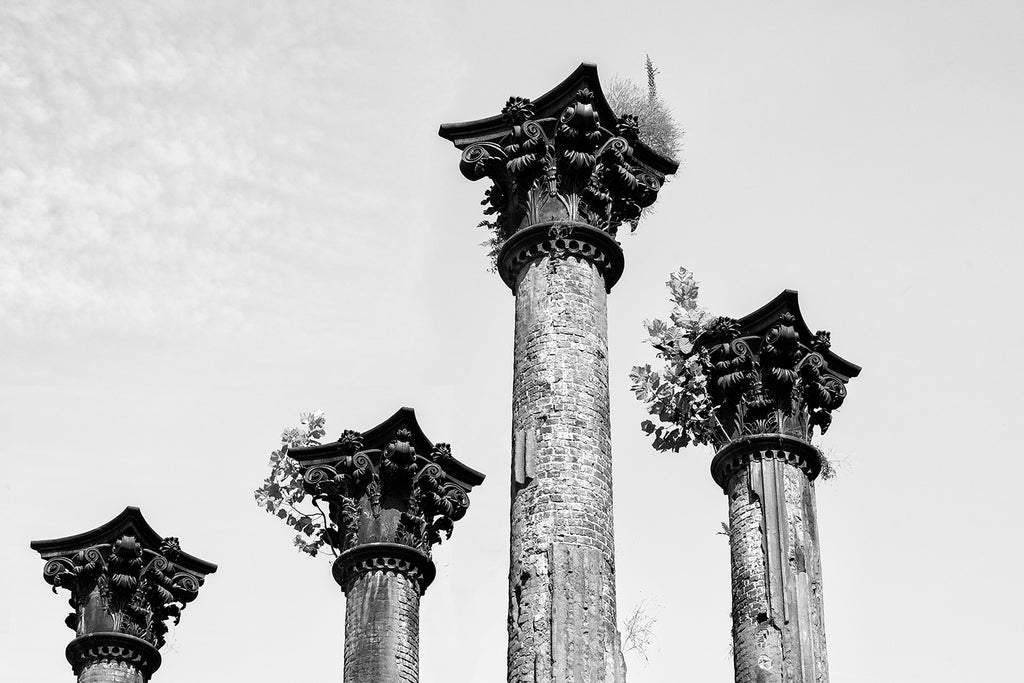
[[774, 382], [566, 174], [391, 495], [125, 583]]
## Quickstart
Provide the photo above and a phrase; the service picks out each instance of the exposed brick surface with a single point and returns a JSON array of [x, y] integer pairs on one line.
[[110, 672], [757, 643], [562, 623], [778, 628], [382, 629]]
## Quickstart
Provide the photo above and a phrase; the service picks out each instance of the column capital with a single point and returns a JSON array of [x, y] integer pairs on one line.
[[564, 158], [388, 486], [769, 375], [125, 582]]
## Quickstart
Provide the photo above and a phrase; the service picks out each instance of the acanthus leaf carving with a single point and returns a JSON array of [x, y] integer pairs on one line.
[[139, 589], [564, 167], [774, 383], [365, 486]]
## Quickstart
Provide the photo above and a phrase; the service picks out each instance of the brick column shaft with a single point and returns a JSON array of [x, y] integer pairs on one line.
[[111, 672], [382, 629], [562, 621], [777, 606]]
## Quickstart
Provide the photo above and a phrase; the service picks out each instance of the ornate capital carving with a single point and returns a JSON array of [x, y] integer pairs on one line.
[[564, 158], [392, 558], [116, 648], [565, 167], [387, 485], [738, 454], [561, 238], [769, 375], [123, 578]]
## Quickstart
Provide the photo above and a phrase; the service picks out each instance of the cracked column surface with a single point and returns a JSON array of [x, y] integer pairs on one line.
[[562, 622], [777, 599]]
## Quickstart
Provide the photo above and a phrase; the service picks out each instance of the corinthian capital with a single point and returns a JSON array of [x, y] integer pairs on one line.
[[564, 158], [388, 485], [126, 582], [769, 374]]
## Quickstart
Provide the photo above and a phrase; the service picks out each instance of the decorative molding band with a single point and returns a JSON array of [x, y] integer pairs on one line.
[[384, 557], [112, 647], [738, 454], [565, 238]]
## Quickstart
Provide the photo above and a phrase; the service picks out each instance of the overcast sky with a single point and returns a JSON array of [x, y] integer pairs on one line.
[[216, 215]]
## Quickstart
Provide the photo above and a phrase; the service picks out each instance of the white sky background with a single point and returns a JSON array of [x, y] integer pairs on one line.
[[214, 216]]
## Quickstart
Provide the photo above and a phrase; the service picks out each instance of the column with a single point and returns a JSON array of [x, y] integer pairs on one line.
[[391, 495], [125, 582], [565, 174], [774, 382], [383, 584]]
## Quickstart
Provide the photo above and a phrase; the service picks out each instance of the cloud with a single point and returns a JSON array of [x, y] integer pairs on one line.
[[159, 161], [126, 193]]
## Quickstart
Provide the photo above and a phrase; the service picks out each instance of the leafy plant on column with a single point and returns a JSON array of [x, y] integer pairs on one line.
[[298, 494], [282, 493], [656, 125], [678, 395], [586, 160], [719, 383]]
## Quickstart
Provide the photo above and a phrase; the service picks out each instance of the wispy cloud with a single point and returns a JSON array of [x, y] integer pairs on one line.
[[124, 189], [154, 157]]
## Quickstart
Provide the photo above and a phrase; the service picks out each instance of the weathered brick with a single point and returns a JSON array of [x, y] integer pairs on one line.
[[382, 629], [563, 184], [778, 627], [562, 622], [104, 671]]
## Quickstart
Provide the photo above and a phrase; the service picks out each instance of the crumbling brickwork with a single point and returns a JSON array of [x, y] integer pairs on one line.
[[562, 622], [778, 627], [757, 644], [382, 628]]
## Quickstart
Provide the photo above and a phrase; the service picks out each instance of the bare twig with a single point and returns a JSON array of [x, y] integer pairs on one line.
[[638, 629]]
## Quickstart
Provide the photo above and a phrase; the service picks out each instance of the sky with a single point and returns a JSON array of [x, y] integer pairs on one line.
[[217, 215]]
